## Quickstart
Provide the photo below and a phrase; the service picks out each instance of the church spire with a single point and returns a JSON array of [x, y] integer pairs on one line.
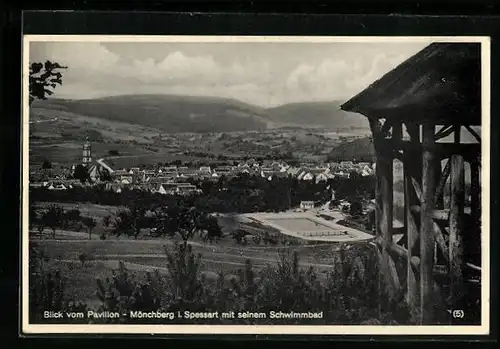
[[87, 153]]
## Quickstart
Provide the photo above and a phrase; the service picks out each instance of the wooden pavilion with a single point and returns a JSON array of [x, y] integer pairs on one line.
[[412, 111]]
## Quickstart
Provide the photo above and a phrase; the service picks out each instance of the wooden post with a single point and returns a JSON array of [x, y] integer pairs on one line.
[[386, 219], [457, 182], [457, 133], [439, 201], [475, 202], [427, 225], [411, 234], [438, 171], [375, 128]]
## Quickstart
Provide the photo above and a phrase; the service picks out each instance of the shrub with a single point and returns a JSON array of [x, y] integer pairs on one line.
[[349, 295], [47, 290], [121, 293]]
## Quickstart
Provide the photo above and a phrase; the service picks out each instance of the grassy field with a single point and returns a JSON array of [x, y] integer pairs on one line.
[[69, 152], [140, 256], [79, 126], [91, 210]]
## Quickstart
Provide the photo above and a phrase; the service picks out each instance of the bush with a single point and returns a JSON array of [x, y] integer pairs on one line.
[[349, 295], [46, 165], [113, 152], [123, 294], [47, 290]]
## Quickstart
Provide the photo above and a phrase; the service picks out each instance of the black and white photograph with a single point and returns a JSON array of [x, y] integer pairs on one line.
[[246, 183]]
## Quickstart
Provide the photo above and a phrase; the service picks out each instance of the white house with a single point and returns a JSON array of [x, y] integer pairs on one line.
[[323, 177], [205, 169], [305, 176], [366, 171], [307, 205]]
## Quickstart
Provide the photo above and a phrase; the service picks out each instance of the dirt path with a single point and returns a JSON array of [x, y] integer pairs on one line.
[[221, 260]]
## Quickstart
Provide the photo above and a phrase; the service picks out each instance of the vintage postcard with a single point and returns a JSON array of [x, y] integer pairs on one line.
[[255, 185]]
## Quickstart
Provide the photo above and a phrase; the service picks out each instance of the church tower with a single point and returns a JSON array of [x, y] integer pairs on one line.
[[87, 154]]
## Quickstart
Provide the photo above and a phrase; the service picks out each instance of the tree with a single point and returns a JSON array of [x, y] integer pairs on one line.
[[184, 269], [123, 223], [71, 216], [130, 222], [46, 164], [113, 152], [43, 79], [34, 219], [90, 223], [81, 174], [180, 220], [106, 221], [370, 224], [356, 208], [211, 225], [53, 218], [105, 176]]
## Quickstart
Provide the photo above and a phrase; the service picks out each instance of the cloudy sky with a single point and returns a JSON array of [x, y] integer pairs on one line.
[[265, 74]]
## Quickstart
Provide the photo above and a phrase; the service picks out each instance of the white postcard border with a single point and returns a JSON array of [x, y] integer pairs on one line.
[[482, 329]]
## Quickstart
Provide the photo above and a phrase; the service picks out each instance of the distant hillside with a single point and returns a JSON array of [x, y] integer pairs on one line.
[[171, 113], [360, 149], [322, 114], [167, 112]]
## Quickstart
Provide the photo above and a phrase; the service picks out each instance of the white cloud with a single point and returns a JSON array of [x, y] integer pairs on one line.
[[78, 55], [331, 79], [95, 71]]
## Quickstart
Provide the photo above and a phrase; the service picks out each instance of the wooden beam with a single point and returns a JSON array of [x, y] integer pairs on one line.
[[438, 232], [398, 155], [385, 128], [440, 215], [438, 200], [473, 266], [413, 131], [444, 132], [375, 127], [417, 188], [457, 129], [474, 133], [444, 127], [400, 253], [442, 150], [442, 182], [397, 131], [427, 226], [457, 180]]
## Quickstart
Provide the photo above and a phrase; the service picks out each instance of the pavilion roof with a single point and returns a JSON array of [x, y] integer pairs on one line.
[[441, 82]]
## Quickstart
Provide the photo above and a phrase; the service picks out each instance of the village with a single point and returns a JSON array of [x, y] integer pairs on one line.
[[182, 180]]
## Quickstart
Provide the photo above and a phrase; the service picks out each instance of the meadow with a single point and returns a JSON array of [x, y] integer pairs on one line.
[[82, 259]]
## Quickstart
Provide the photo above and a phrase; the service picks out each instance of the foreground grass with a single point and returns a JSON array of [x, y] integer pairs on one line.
[[141, 256]]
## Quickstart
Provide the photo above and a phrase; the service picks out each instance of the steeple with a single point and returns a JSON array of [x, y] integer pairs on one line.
[[87, 153]]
